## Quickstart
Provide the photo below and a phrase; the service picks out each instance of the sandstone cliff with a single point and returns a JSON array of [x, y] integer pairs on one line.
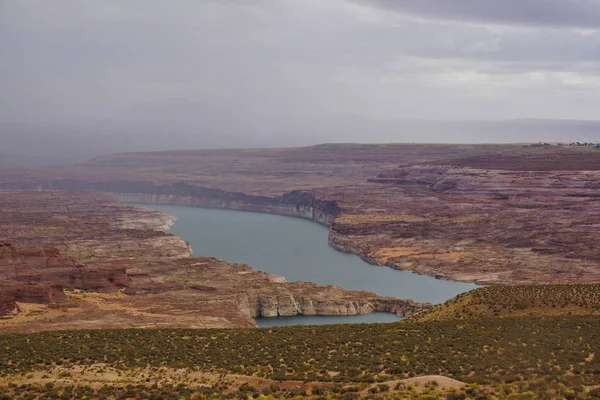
[[295, 203], [303, 298]]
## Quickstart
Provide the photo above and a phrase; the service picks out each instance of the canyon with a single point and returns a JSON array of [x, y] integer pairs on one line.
[[84, 260], [490, 214]]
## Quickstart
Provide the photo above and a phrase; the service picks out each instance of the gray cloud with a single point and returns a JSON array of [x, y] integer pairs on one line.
[[214, 73], [558, 13]]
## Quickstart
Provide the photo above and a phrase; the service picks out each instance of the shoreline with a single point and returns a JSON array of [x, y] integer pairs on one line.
[[335, 239]]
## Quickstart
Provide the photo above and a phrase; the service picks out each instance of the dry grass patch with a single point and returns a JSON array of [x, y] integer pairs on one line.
[[386, 254], [376, 217]]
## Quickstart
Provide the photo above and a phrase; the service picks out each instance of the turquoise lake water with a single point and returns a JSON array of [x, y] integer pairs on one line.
[[297, 250]]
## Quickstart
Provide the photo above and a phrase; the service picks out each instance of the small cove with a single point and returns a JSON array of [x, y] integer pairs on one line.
[[298, 250]]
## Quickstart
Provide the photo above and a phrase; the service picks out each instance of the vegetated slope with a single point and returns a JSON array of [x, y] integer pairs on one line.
[[485, 338], [518, 301], [483, 350]]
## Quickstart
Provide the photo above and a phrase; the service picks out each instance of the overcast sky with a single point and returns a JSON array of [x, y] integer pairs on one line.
[[84, 62]]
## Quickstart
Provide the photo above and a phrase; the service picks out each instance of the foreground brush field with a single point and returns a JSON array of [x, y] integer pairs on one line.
[[543, 343], [448, 358]]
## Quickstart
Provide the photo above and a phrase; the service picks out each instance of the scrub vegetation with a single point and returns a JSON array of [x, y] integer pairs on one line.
[[494, 301], [481, 350], [489, 356]]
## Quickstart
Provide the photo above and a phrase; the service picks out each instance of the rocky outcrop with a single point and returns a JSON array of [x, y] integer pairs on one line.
[[341, 242], [8, 306], [304, 298], [43, 293], [32, 271], [288, 305], [294, 204], [404, 308]]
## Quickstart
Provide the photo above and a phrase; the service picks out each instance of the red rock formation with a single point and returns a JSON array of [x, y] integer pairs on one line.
[[46, 267], [8, 307], [32, 292]]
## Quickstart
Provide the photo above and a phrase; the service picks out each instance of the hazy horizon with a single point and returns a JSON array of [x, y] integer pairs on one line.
[[82, 78]]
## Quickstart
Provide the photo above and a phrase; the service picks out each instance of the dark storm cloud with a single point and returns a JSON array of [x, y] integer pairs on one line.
[[556, 13]]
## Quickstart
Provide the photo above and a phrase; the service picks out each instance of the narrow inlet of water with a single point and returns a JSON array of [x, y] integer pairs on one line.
[[297, 250]]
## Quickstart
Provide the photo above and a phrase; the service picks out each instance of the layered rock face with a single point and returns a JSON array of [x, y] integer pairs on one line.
[[108, 265], [24, 268], [289, 305], [296, 203]]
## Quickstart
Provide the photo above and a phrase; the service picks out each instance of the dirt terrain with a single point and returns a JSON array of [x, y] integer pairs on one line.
[[492, 214], [82, 379], [84, 260]]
